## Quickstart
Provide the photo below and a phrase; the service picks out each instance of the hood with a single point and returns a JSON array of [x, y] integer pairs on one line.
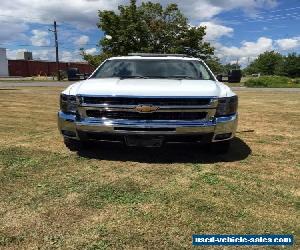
[[148, 87]]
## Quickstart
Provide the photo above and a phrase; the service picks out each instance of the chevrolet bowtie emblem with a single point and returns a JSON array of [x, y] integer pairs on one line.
[[146, 108]]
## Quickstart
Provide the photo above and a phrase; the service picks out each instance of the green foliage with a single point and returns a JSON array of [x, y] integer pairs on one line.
[[273, 82], [215, 66], [229, 66], [148, 28], [291, 65], [273, 63], [267, 63], [94, 60]]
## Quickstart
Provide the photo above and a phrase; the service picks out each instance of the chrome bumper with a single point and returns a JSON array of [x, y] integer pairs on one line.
[[71, 128]]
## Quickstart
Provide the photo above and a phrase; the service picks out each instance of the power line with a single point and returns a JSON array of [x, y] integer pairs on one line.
[[270, 11], [28, 18], [28, 45], [294, 15]]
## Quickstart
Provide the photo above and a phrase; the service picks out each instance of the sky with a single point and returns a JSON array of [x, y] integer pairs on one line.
[[238, 29]]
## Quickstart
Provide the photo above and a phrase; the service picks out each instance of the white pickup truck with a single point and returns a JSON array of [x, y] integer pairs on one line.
[[148, 100]]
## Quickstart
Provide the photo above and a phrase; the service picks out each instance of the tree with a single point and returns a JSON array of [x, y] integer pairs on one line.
[[94, 60], [149, 28], [291, 65], [215, 66], [267, 63], [229, 66]]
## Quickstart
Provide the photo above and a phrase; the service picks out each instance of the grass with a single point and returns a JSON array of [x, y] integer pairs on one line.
[[272, 82], [115, 197]]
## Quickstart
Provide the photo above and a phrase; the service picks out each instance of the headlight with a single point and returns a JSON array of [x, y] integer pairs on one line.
[[227, 106], [68, 103]]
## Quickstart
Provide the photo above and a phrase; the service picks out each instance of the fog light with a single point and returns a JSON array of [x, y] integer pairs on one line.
[[68, 133], [223, 136]]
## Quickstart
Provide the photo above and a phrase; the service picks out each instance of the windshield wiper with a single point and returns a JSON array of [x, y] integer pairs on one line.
[[183, 77], [157, 77], [134, 77]]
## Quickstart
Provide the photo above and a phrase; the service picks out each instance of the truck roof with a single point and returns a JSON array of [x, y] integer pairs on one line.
[[155, 56]]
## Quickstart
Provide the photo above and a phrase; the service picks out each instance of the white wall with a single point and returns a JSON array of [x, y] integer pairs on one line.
[[3, 63]]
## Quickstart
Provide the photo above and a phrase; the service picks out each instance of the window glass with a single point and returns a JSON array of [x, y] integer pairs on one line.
[[153, 68]]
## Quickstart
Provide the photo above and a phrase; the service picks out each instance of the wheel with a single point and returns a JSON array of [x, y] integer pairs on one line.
[[221, 147], [74, 145]]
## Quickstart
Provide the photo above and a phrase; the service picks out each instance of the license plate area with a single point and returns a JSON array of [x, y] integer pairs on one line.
[[143, 141]]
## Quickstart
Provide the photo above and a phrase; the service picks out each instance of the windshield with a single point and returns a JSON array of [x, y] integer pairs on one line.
[[153, 68]]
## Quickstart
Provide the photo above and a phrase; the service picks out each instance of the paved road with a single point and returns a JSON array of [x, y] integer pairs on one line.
[[266, 89], [12, 84]]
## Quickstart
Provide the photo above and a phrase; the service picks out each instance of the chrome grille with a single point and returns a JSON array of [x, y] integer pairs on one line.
[[129, 115], [158, 101]]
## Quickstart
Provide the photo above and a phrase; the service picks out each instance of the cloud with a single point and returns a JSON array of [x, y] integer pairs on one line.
[[43, 54], [207, 9], [247, 48], [82, 40], [246, 52], [19, 15], [91, 51], [48, 54], [70, 56], [11, 53], [215, 31], [38, 54], [83, 13], [66, 56], [40, 38], [288, 43], [12, 31]]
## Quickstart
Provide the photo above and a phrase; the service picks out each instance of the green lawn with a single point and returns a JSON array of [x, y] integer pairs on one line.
[[114, 197]]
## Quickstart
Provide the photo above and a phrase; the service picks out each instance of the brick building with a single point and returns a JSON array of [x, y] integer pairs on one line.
[[24, 66]]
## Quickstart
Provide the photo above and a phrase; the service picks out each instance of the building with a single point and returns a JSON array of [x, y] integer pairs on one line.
[[27, 68], [24, 66], [24, 55], [3, 63]]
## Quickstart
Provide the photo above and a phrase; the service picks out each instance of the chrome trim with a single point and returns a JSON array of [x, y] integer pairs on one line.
[[149, 96], [161, 109], [182, 127], [213, 100], [210, 109], [217, 126], [226, 124], [82, 111], [105, 105], [67, 122]]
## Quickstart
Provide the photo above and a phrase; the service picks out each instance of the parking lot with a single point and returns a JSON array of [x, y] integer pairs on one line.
[[111, 196]]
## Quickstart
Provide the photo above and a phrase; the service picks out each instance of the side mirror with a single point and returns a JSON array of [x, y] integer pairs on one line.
[[219, 77], [86, 76]]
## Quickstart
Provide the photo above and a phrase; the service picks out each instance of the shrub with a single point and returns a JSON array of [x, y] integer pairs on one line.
[[273, 82]]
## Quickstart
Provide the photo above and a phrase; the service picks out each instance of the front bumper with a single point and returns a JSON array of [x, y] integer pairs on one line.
[[217, 129]]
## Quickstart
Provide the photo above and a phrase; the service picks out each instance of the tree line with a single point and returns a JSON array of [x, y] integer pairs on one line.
[[274, 63]]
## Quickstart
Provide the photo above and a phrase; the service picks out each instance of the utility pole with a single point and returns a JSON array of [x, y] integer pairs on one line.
[[56, 50]]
